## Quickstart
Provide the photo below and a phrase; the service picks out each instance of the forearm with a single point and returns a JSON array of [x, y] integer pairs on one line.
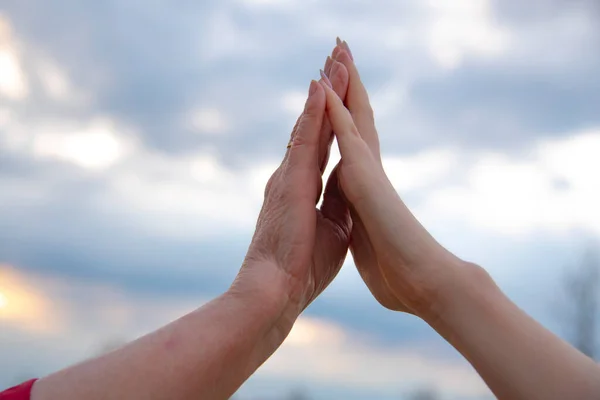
[[516, 356], [206, 354]]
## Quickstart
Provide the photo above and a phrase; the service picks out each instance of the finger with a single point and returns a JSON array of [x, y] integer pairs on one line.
[[304, 147], [328, 64], [349, 141], [357, 99], [338, 75], [289, 145], [335, 207]]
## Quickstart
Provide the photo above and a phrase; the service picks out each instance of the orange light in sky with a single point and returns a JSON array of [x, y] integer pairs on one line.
[[3, 300], [22, 304]]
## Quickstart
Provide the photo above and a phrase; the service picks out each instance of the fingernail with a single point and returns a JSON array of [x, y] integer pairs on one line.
[[336, 52], [347, 48], [328, 64], [325, 79], [338, 41], [335, 67], [312, 88]]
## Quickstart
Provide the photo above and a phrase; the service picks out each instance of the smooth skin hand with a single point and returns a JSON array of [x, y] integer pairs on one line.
[[364, 171], [407, 270]]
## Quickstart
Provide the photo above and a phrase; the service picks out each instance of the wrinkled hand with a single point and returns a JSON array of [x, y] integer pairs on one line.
[[297, 248], [396, 257]]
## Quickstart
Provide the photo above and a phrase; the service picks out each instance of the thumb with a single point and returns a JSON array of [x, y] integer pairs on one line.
[[334, 207], [360, 175], [352, 147], [304, 147]]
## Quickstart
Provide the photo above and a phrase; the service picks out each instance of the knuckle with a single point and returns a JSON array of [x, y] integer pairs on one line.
[[299, 140], [296, 125], [304, 136]]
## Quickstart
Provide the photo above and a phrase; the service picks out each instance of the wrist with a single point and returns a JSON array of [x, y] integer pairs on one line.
[[263, 289], [464, 285]]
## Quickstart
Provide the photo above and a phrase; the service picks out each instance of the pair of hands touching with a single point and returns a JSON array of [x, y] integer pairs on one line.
[[298, 248]]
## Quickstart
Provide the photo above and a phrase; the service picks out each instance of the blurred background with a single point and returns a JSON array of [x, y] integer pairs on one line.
[[136, 138]]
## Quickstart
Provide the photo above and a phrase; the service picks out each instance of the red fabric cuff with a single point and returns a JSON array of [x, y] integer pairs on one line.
[[19, 392]]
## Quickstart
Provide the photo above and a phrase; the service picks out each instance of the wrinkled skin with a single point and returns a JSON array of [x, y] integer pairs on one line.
[[296, 242]]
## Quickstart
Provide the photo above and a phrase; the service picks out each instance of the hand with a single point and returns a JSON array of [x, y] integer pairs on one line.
[[396, 257], [298, 249]]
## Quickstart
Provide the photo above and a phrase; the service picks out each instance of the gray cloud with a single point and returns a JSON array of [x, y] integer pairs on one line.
[[496, 108], [146, 66]]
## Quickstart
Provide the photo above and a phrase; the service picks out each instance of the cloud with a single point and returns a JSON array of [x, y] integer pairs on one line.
[[24, 306], [13, 83], [463, 28], [95, 147], [50, 322], [550, 189], [135, 157], [208, 121], [322, 352], [421, 169]]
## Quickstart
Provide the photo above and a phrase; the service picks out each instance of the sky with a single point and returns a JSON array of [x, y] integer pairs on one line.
[[136, 139]]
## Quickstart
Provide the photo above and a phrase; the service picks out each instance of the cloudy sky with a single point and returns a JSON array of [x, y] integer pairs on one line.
[[136, 138]]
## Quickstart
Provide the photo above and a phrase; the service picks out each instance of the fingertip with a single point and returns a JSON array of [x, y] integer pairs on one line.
[[343, 57], [328, 64], [316, 97], [337, 68], [315, 89], [325, 86], [329, 93], [340, 78]]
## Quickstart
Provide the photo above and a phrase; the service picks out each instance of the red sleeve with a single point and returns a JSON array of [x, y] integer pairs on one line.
[[20, 392]]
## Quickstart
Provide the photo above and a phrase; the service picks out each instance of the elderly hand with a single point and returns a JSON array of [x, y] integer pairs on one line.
[[297, 248]]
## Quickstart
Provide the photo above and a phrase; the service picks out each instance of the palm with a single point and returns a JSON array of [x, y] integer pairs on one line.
[[369, 267], [367, 264], [313, 243], [328, 238], [331, 246]]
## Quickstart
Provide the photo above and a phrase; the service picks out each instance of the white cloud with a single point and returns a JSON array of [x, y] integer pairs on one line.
[[293, 102], [419, 170], [318, 350], [223, 37], [208, 121], [268, 3], [25, 306], [13, 81], [97, 146], [461, 28], [56, 83], [165, 194], [553, 189], [179, 197]]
